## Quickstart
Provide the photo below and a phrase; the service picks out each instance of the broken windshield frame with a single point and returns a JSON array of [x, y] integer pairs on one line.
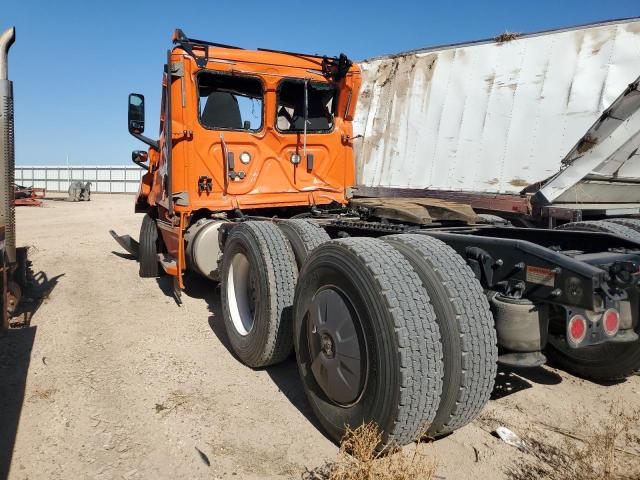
[[290, 106]]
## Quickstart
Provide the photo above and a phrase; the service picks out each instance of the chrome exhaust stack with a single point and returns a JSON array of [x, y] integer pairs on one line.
[[7, 151]]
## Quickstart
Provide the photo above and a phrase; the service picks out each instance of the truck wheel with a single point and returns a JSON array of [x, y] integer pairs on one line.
[[304, 236], [14, 294], [469, 342], [602, 226], [632, 223], [20, 275], [494, 220], [367, 343], [258, 278], [601, 363], [148, 250]]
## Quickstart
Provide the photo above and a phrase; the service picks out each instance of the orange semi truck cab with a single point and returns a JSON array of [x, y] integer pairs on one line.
[[384, 300], [243, 129]]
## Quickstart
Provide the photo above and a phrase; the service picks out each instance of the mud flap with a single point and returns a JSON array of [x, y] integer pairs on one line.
[[126, 242], [177, 291]]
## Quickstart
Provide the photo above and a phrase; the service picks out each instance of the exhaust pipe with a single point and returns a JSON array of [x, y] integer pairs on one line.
[[6, 40], [7, 151]]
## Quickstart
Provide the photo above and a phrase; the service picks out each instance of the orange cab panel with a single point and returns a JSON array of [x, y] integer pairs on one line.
[[252, 129]]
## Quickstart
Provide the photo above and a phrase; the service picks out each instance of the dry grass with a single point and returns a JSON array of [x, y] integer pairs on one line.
[[359, 458], [175, 400], [44, 394], [609, 450]]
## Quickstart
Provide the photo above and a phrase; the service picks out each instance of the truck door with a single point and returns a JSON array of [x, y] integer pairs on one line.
[[231, 119]]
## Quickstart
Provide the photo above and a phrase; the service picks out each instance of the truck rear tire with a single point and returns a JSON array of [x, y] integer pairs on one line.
[[367, 343], [601, 363], [304, 236], [469, 342], [602, 226], [258, 278], [20, 275], [148, 250], [494, 220], [632, 223]]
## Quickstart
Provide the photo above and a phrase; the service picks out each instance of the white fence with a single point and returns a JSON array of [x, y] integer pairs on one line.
[[103, 178]]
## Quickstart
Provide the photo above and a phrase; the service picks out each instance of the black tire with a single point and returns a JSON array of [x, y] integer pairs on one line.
[[467, 331], [304, 236], [22, 261], [632, 223], [602, 363], [149, 248], [603, 226], [258, 279], [399, 361]]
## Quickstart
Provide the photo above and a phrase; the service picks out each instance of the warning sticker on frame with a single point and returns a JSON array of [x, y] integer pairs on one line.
[[541, 276]]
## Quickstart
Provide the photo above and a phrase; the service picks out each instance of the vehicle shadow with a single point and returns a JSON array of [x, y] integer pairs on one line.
[[15, 354], [126, 256], [36, 290], [510, 380], [284, 375], [194, 287], [56, 199]]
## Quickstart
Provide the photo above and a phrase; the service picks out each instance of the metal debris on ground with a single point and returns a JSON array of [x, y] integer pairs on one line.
[[510, 438], [79, 191], [27, 196]]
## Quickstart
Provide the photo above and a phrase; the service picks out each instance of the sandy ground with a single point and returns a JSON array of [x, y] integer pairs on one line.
[[113, 380]]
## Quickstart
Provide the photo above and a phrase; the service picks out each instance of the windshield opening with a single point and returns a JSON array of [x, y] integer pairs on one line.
[[290, 106], [230, 102]]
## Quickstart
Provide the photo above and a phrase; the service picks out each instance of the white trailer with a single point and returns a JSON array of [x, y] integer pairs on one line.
[[505, 119]]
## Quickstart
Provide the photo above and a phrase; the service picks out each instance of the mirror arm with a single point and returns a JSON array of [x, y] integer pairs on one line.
[[152, 143], [144, 166]]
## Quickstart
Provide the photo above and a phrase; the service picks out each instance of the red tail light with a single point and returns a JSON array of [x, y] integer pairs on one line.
[[611, 321], [577, 329]]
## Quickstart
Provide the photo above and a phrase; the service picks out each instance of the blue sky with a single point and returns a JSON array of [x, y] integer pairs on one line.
[[74, 62]]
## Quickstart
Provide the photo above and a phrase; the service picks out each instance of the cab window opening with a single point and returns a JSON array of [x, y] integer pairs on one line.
[[230, 102], [290, 106]]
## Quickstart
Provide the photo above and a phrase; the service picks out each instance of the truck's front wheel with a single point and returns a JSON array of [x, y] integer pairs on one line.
[[367, 343], [148, 250]]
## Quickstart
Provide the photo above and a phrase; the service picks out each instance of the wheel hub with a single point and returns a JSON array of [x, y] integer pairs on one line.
[[14, 293], [241, 294], [336, 349], [328, 348]]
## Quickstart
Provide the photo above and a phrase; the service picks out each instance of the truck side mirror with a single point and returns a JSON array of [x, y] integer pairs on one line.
[[136, 113], [140, 157]]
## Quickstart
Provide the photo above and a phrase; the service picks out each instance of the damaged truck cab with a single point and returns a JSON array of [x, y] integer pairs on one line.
[[246, 129], [398, 309]]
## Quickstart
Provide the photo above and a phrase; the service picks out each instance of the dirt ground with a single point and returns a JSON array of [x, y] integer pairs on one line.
[[113, 380]]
